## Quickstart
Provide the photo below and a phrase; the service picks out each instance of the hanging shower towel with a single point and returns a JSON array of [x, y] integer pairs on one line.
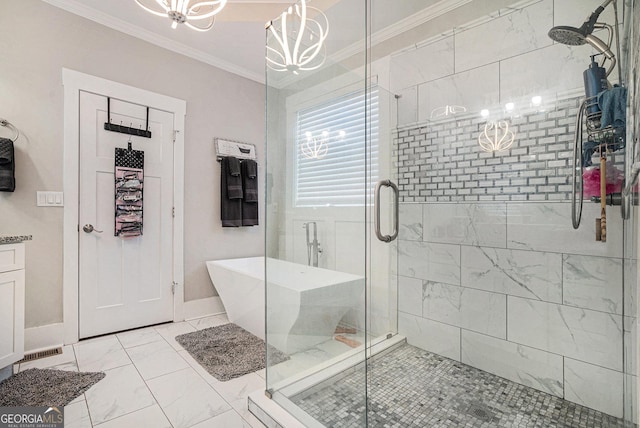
[[230, 209], [234, 181], [250, 186], [613, 103], [7, 166]]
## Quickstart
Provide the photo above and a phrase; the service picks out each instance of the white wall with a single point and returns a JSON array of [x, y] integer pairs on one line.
[[38, 40]]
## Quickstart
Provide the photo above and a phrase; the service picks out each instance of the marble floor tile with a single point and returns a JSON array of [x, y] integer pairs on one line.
[[149, 417], [170, 331], [212, 321], [186, 398], [100, 354], [142, 336], [76, 415], [122, 391], [230, 419], [78, 399], [204, 374], [238, 389], [156, 359], [243, 410]]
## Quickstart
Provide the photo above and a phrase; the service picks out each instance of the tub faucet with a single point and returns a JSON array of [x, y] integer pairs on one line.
[[313, 246]]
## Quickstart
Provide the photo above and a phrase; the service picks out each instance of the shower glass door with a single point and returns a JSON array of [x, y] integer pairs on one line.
[[487, 297], [318, 153], [500, 299]]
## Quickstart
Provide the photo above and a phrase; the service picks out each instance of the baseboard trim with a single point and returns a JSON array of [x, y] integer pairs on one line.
[[203, 307], [43, 337]]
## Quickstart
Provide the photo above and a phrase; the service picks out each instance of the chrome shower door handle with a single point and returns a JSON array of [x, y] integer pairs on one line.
[[88, 228], [396, 222]]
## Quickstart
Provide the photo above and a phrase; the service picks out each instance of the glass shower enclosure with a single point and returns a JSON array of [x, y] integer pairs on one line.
[[422, 268]]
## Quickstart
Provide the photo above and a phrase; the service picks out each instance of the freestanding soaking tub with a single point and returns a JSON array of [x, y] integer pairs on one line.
[[311, 300]]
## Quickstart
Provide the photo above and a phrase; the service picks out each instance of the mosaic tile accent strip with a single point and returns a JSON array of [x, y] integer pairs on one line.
[[411, 387], [443, 162]]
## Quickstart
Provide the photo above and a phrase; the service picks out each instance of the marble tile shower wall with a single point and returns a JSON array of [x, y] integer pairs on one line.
[[442, 161], [491, 271], [512, 289]]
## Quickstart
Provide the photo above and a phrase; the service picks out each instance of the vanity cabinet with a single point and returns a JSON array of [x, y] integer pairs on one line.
[[11, 303]]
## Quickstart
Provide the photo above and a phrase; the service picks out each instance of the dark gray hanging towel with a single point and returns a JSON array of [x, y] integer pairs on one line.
[[230, 208], [234, 181], [7, 166], [250, 187]]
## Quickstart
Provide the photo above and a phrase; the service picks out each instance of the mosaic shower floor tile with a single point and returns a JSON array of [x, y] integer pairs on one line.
[[410, 387]]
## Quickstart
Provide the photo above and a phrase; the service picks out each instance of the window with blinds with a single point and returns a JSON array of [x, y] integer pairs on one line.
[[331, 152]]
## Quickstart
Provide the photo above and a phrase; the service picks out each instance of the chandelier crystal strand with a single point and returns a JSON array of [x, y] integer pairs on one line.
[[185, 12], [307, 38]]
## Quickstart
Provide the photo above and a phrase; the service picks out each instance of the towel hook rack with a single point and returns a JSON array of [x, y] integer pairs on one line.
[[6, 123]]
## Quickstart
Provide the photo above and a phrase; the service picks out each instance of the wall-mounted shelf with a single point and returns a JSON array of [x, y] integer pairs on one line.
[[238, 150]]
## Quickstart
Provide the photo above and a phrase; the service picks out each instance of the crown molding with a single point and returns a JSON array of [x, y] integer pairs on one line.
[[77, 8], [425, 15]]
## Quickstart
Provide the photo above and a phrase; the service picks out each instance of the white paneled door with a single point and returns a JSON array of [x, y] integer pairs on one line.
[[124, 283]]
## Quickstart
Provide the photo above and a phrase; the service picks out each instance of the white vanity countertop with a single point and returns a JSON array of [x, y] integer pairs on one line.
[[14, 239]]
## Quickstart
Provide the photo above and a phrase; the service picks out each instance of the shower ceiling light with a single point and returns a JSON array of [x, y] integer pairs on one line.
[[198, 15], [496, 137], [300, 39]]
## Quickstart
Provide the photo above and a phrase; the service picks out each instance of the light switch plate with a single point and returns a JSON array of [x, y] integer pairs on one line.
[[50, 199]]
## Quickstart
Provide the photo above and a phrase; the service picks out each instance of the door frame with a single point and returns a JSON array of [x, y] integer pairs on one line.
[[74, 82]]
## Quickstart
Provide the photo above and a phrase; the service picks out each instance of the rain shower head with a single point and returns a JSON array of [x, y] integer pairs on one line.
[[568, 35], [573, 36]]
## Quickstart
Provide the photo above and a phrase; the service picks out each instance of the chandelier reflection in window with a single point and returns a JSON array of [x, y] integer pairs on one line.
[[300, 39], [317, 147]]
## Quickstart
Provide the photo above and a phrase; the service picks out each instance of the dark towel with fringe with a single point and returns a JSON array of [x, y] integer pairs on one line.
[[7, 166], [230, 209], [250, 187]]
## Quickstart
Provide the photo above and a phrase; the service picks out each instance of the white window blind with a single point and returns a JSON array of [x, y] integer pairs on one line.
[[331, 151]]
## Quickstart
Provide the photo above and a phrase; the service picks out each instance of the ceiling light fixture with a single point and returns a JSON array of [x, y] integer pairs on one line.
[[299, 38], [198, 15]]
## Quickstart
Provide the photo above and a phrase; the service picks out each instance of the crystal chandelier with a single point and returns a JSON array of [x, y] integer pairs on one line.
[[300, 39], [198, 15]]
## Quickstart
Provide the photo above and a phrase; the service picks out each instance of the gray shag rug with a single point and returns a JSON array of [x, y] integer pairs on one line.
[[39, 387], [229, 351]]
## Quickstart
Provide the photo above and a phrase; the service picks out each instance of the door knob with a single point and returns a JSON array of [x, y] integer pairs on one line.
[[88, 228]]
